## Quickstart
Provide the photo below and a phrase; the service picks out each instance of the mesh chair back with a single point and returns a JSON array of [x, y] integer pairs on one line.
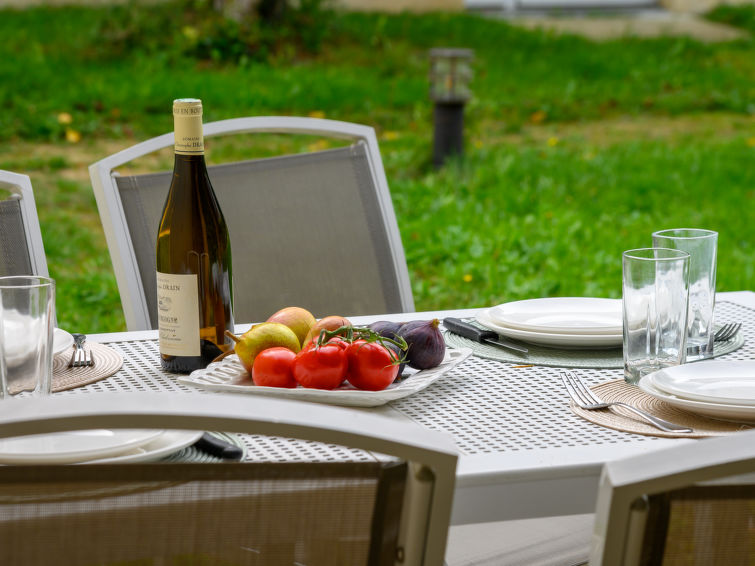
[[21, 249], [297, 226], [712, 525], [201, 514], [15, 256]]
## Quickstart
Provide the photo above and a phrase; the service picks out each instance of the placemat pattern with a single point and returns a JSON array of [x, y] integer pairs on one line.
[[619, 418], [106, 362], [554, 357], [191, 454]]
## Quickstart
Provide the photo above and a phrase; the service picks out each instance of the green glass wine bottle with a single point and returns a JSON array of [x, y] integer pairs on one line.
[[194, 275]]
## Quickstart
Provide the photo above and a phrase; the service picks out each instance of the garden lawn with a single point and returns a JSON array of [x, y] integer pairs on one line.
[[575, 151]]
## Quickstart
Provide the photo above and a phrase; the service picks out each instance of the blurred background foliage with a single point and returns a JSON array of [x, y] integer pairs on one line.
[[575, 150]]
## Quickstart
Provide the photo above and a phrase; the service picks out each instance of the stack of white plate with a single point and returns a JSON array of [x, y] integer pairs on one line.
[[90, 446], [558, 322], [718, 389]]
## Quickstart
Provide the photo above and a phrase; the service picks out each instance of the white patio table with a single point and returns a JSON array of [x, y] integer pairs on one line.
[[523, 453]]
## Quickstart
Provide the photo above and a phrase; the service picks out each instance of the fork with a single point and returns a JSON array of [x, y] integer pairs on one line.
[[80, 357], [584, 398], [727, 331]]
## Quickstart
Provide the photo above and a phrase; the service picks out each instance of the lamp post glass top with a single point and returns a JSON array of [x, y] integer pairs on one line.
[[450, 73]]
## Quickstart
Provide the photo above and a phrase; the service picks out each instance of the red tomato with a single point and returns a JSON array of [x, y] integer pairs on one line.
[[340, 342], [335, 341], [370, 366], [272, 368], [321, 368]]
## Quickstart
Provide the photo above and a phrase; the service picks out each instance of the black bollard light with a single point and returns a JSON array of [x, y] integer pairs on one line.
[[450, 73]]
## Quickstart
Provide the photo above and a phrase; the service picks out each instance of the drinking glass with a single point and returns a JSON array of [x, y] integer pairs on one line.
[[27, 306], [655, 293], [701, 245]]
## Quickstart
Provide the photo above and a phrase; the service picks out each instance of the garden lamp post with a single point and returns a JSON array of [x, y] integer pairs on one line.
[[450, 73]]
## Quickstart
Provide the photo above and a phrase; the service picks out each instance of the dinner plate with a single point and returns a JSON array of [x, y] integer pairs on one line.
[[553, 340], [15, 350], [61, 341], [71, 446], [167, 443], [711, 381], [721, 411], [561, 315], [229, 375]]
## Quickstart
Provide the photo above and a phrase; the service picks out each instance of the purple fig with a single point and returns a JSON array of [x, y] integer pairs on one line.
[[426, 345], [399, 354], [386, 328]]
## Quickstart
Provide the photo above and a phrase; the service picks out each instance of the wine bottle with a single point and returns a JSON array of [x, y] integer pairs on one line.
[[194, 280]]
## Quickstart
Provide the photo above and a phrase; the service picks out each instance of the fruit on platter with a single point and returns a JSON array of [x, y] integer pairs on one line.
[[321, 367], [372, 365], [273, 368], [328, 323], [426, 347], [297, 319], [260, 337], [293, 349], [386, 328]]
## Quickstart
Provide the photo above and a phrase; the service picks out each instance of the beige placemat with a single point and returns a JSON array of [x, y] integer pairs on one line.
[[106, 362], [619, 418]]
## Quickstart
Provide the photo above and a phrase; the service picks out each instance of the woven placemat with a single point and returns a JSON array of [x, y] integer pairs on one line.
[[191, 454], [619, 418], [106, 362], [553, 357]]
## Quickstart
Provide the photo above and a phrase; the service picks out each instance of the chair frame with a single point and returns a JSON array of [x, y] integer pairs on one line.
[[620, 522], [20, 187], [114, 221], [427, 504]]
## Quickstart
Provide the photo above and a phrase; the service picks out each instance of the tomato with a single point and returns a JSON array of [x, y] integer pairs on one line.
[[340, 342], [273, 368], [320, 368], [370, 366]]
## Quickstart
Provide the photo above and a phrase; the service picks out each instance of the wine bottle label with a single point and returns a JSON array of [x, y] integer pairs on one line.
[[187, 125], [178, 314]]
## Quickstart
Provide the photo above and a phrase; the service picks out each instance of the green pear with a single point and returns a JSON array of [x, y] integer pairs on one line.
[[261, 337]]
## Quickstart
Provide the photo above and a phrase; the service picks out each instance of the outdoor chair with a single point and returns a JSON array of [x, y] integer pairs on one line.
[[21, 248], [377, 510], [688, 504], [316, 230]]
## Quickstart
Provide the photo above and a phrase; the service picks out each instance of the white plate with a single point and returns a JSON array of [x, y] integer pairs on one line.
[[71, 446], [566, 341], [721, 411], [710, 381], [229, 375], [166, 444], [561, 315], [61, 341]]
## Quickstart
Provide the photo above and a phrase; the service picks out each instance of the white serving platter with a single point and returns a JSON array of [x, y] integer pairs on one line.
[[230, 376]]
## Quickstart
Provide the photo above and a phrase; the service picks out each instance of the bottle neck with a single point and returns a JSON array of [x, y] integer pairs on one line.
[[185, 160], [189, 139]]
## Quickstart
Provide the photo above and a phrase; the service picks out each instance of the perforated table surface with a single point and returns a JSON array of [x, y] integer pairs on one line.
[[523, 453]]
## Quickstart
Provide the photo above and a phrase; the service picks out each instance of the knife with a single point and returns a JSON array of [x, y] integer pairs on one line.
[[458, 326], [214, 446]]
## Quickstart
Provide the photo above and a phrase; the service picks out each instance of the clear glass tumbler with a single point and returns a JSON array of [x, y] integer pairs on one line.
[[27, 320], [702, 246], [655, 293]]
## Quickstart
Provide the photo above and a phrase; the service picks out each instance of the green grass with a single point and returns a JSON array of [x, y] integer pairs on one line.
[[575, 151]]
